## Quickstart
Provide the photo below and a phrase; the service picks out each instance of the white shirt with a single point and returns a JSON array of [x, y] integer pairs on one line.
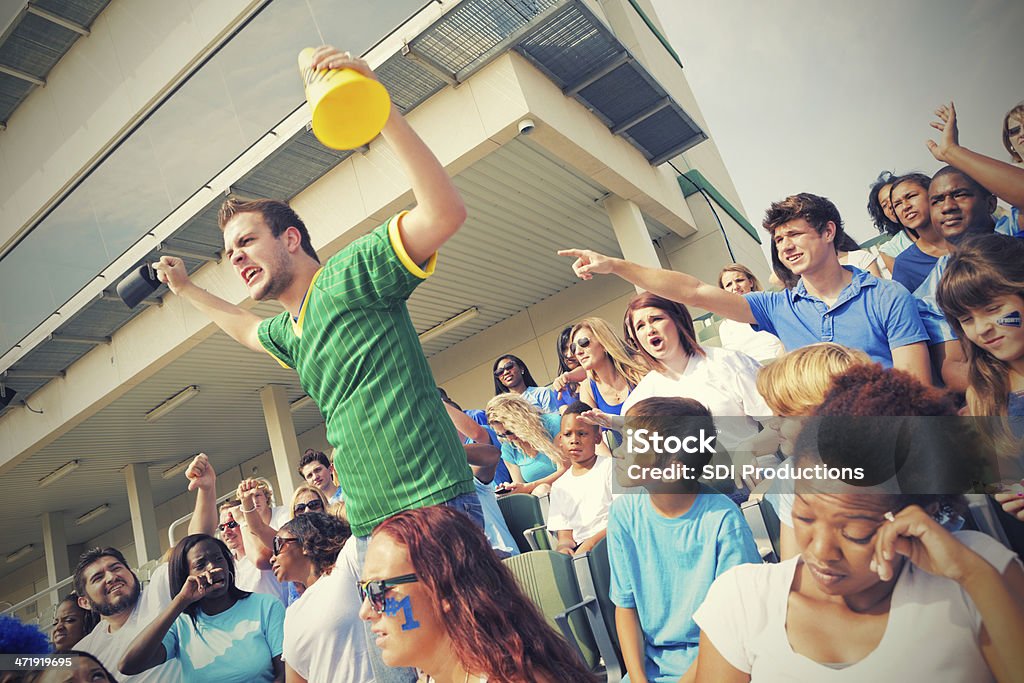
[[250, 578], [579, 502], [109, 647], [931, 635], [324, 640], [761, 346], [724, 381]]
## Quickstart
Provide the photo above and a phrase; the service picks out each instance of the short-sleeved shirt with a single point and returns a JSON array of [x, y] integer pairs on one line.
[[540, 465], [663, 567], [895, 245], [873, 315], [545, 399], [357, 355], [912, 267], [501, 475], [931, 635], [579, 502], [235, 646]]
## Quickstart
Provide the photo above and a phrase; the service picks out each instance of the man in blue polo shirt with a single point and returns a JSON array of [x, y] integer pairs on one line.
[[830, 302]]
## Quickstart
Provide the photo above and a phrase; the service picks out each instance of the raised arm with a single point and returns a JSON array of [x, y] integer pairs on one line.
[[670, 284], [257, 534], [1004, 180], [239, 324], [203, 480], [466, 425], [439, 211]]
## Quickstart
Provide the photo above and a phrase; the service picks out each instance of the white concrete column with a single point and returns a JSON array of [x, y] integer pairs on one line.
[[55, 548], [140, 502], [284, 444], [631, 232]]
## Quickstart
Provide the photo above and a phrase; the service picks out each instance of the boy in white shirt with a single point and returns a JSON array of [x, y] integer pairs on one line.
[[580, 498]]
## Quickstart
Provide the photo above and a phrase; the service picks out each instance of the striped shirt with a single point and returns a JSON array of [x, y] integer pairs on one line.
[[358, 357]]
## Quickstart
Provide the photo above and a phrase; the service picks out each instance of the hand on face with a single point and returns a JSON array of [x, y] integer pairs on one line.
[[198, 586], [914, 534]]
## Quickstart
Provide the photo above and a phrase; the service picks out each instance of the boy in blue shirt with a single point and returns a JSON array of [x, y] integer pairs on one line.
[[666, 545]]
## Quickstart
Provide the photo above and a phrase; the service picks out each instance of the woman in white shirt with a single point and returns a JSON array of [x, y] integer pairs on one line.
[[761, 346], [724, 381], [324, 639]]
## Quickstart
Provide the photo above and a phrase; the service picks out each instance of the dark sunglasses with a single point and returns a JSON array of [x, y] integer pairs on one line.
[[312, 506], [580, 343], [376, 591], [279, 543], [228, 525], [502, 369], [504, 435]]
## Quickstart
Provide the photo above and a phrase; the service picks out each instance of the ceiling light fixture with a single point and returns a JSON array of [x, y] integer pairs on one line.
[[300, 403], [20, 553], [174, 470], [180, 398], [59, 473], [92, 514], [449, 324]]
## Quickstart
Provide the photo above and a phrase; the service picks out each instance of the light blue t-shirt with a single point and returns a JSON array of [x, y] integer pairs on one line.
[[543, 398], [870, 314], [935, 323], [664, 567], [235, 646], [540, 466]]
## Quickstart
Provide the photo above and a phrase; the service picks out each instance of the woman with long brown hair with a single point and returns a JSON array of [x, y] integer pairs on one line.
[[440, 600], [613, 369]]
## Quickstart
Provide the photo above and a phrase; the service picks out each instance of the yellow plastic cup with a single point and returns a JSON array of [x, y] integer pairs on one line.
[[349, 109]]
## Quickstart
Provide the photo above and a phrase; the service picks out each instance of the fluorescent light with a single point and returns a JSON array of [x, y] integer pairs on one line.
[[20, 553], [300, 403], [183, 396], [59, 473], [449, 324], [92, 514], [174, 470]]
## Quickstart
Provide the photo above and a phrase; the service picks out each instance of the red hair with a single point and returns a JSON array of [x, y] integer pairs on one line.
[[480, 602]]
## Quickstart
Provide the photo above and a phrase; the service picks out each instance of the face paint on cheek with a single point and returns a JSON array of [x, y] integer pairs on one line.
[[391, 607], [1012, 320]]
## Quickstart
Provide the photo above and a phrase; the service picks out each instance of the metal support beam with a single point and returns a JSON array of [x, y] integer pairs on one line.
[[429, 64], [166, 248], [77, 339], [59, 20], [595, 76], [642, 116], [21, 75], [284, 444], [143, 510], [55, 549]]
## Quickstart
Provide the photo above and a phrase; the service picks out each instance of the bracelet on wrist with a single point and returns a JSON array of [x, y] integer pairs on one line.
[[244, 511]]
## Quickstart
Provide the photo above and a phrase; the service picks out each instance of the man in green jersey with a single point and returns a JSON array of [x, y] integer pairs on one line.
[[347, 332]]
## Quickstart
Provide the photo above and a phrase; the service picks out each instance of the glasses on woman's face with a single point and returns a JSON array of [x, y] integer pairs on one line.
[[580, 343], [279, 543], [312, 506], [502, 369], [377, 591], [227, 525]]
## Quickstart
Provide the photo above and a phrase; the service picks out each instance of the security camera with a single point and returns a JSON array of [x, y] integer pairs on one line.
[[526, 126]]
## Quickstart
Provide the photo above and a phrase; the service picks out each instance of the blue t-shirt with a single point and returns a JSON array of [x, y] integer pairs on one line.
[[935, 323], [235, 646], [872, 315], [543, 398], [912, 267], [663, 568], [537, 467], [501, 475]]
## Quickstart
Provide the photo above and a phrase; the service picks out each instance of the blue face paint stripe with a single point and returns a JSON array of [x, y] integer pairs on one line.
[[1011, 320], [392, 606]]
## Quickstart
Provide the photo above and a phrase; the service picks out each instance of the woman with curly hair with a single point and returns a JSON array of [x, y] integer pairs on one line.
[[613, 369], [438, 599], [527, 443], [218, 632], [71, 623], [320, 644], [512, 376]]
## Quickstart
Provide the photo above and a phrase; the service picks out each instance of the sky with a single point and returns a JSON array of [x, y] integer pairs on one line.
[[808, 96]]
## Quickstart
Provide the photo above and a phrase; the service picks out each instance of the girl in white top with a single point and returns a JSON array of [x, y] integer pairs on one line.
[[724, 381], [761, 346], [880, 592], [323, 637]]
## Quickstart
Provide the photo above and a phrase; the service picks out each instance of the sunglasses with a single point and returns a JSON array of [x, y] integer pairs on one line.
[[503, 435], [228, 525], [312, 506], [279, 543], [502, 369], [580, 343], [376, 591]]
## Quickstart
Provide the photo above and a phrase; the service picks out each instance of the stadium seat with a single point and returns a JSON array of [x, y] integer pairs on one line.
[[547, 577], [525, 519], [764, 523], [594, 575]]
